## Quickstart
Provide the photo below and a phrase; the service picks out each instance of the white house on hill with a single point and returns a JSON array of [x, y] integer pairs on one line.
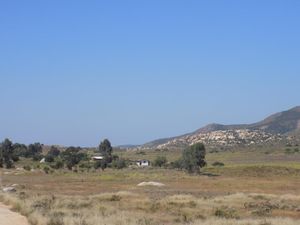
[[143, 163]]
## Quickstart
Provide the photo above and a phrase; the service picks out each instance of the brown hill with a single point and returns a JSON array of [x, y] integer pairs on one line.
[[273, 128]]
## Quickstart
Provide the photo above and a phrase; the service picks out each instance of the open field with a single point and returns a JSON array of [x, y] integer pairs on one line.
[[244, 191], [240, 156]]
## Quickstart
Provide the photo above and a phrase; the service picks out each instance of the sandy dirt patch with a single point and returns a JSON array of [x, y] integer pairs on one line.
[[8, 217]]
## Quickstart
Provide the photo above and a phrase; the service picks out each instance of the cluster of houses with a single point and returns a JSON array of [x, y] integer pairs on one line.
[[140, 163]]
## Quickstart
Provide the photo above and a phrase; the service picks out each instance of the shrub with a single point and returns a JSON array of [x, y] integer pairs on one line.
[[160, 161], [176, 164], [288, 151], [58, 164], [119, 164], [86, 165], [43, 205], [37, 157], [225, 212], [115, 198], [46, 169], [27, 167], [141, 153], [49, 158], [100, 164], [218, 164], [54, 220]]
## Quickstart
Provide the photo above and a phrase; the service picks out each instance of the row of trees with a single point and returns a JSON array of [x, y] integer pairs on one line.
[[10, 153], [192, 159], [70, 157]]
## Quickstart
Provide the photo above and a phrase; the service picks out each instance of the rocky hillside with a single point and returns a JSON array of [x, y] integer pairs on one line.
[[274, 128]]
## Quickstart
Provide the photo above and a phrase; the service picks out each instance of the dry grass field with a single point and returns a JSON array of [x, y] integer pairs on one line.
[[252, 188]]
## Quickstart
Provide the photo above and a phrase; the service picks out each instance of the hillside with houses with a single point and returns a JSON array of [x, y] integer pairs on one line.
[[278, 128]]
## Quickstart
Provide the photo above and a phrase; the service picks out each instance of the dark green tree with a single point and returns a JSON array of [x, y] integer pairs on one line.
[[105, 150], [54, 151], [49, 158], [72, 156], [19, 150], [52, 154], [34, 151], [193, 158], [6, 154]]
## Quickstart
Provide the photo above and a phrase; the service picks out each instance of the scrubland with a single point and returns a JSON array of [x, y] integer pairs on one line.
[[246, 191]]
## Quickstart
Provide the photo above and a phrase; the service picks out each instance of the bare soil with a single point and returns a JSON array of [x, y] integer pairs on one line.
[[8, 217]]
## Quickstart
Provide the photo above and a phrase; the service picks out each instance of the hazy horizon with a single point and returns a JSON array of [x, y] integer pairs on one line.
[[74, 73]]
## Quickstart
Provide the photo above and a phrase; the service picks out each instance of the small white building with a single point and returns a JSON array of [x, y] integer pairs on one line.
[[143, 162], [97, 158]]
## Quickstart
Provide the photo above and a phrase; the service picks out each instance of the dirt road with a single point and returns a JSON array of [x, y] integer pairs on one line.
[[8, 217]]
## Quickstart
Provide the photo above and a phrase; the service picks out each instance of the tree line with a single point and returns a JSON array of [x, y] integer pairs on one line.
[[11, 152], [192, 159]]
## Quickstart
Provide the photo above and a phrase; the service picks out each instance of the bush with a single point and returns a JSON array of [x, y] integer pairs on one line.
[[85, 165], [119, 164], [160, 161], [115, 198], [225, 212], [55, 220], [176, 164], [100, 164], [291, 151], [49, 158], [15, 157], [218, 164], [58, 164], [27, 167], [141, 153], [37, 157], [46, 169]]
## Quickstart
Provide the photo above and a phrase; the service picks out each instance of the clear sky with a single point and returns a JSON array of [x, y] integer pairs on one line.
[[75, 72]]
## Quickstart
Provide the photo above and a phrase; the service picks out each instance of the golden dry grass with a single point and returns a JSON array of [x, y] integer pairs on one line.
[[126, 208]]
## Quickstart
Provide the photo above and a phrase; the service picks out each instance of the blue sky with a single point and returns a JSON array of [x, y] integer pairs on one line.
[[75, 72]]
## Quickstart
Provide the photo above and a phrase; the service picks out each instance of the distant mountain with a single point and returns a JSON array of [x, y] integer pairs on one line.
[[272, 129], [283, 122]]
